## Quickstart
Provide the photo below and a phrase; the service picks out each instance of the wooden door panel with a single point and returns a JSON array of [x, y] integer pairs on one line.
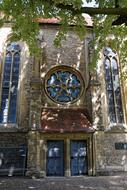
[[78, 157], [55, 158]]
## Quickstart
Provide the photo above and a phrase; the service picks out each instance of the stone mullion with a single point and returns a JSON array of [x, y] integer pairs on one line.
[[67, 157]]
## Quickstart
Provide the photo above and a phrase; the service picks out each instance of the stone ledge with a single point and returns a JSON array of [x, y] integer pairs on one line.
[[34, 173], [11, 128], [110, 172], [116, 128], [35, 81]]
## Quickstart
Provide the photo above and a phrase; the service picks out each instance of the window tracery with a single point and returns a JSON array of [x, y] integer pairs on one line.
[[63, 84], [113, 87], [10, 84]]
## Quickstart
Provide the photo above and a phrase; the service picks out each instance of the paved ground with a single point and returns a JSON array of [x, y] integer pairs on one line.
[[73, 183]]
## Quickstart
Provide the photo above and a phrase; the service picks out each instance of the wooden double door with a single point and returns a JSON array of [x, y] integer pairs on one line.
[[55, 157]]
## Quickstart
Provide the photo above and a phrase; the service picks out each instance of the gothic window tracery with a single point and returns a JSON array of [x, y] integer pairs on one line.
[[63, 84], [9, 88], [113, 88]]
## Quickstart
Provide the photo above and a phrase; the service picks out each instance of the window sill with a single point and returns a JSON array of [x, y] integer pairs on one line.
[[116, 128], [11, 127]]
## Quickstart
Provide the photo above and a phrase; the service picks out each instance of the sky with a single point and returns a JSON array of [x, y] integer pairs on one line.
[[89, 4]]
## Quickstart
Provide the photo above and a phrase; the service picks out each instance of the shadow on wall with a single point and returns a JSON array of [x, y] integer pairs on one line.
[[13, 161]]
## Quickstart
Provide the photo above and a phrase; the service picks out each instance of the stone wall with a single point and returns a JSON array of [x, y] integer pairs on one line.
[[12, 140], [24, 88], [108, 159], [72, 52]]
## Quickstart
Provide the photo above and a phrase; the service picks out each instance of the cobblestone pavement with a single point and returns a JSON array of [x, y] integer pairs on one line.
[[73, 183]]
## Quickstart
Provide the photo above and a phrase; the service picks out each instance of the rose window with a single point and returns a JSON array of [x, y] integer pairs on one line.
[[63, 84]]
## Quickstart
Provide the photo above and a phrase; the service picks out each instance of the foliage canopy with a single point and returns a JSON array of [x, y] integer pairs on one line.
[[23, 15]]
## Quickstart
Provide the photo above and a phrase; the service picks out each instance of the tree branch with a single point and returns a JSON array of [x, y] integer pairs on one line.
[[94, 11], [106, 11]]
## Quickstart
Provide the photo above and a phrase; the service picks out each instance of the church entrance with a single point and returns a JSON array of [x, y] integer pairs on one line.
[[57, 156]]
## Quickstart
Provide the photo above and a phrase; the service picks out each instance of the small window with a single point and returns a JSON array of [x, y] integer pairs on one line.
[[113, 86], [10, 84]]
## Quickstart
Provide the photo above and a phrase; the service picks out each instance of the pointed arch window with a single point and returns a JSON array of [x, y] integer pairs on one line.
[[113, 88], [10, 79]]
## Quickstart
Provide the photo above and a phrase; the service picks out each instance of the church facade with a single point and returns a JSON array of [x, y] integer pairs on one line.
[[57, 118]]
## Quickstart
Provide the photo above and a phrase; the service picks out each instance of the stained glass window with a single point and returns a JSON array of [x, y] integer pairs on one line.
[[10, 84], [63, 84], [113, 86]]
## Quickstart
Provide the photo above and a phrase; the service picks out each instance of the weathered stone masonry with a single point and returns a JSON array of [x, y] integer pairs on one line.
[[37, 113]]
